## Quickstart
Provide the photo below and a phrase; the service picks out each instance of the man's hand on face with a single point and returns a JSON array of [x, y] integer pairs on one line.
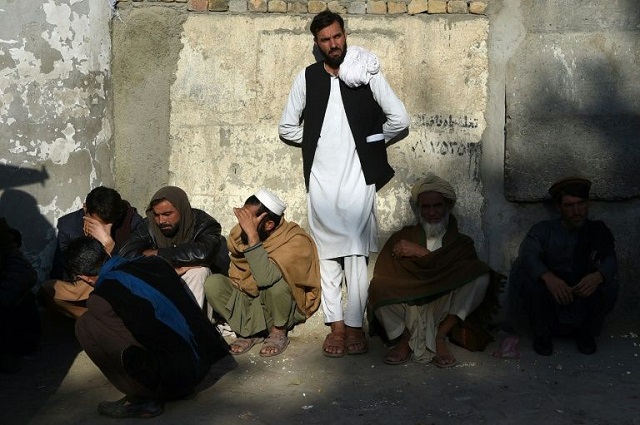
[[249, 223], [409, 249], [562, 292], [100, 232], [588, 284]]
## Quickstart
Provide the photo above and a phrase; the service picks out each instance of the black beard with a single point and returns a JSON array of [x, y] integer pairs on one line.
[[169, 232], [335, 62]]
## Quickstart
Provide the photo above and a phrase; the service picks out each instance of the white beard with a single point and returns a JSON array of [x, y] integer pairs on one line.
[[434, 230]]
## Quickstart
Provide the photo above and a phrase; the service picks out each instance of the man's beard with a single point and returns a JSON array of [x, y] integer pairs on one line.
[[334, 62], [262, 234], [434, 230], [169, 231]]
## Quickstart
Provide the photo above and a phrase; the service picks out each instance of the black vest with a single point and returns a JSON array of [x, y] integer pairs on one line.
[[365, 118]]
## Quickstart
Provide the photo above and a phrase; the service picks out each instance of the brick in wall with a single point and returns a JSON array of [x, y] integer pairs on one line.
[[315, 6], [417, 6], [377, 7], [478, 7], [457, 6]]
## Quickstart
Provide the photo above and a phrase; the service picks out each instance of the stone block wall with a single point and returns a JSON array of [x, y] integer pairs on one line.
[[348, 7]]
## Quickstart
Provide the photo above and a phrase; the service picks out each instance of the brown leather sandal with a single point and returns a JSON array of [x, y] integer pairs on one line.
[[355, 338], [334, 339]]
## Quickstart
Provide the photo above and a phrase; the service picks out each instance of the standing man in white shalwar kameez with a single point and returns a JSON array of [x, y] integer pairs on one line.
[[343, 113]]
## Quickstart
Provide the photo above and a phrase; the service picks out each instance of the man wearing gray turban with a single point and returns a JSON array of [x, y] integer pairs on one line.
[[428, 279]]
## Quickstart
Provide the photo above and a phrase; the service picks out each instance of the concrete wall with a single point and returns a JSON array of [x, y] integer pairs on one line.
[[55, 114], [231, 83], [563, 99], [224, 83], [502, 102]]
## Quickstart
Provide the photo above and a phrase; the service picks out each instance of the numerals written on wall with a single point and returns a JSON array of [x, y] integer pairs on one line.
[[448, 147]]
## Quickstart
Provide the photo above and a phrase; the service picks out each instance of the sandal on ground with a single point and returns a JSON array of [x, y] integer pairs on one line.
[[277, 341], [353, 339], [243, 344], [445, 361], [334, 339], [397, 356]]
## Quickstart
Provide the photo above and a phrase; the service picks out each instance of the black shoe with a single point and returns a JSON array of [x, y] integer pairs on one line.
[[585, 342], [543, 345], [138, 409]]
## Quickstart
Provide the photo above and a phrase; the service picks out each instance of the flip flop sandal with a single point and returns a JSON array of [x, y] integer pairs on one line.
[[280, 342], [245, 344]]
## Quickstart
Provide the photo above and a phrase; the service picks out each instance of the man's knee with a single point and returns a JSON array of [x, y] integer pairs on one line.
[[197, 275], [280, 289]]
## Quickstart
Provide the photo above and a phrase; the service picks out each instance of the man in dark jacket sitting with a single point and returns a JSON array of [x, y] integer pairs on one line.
[[188, 238], [141, 329], [104, 216]]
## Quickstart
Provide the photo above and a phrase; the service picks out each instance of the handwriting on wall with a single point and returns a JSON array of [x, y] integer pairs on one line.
[[446, 122], [448, 147]]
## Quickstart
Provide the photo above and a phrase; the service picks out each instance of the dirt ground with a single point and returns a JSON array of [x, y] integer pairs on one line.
[[60, 385]]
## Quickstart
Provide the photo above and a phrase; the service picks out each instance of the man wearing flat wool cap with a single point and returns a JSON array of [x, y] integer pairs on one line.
[[274, 277]]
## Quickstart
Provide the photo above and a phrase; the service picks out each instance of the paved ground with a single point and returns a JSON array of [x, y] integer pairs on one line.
[[59, 385]]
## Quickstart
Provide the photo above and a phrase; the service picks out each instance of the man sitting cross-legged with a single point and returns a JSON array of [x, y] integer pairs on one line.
[[427, 279], [274, 277]]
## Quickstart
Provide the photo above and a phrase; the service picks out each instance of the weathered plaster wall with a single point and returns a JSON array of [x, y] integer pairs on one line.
[[55, 113], [234, 77], [563, 85], [146, 45], [232, 80]]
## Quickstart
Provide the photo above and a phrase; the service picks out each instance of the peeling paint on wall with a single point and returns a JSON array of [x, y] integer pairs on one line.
[[54, 112]]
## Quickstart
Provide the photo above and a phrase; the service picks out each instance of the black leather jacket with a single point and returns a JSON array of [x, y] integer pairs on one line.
[[207, 248]]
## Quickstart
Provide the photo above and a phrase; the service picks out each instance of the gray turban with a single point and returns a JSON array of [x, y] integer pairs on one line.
[[433, 183]]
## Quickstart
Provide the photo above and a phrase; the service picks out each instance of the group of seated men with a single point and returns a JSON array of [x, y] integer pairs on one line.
[[135, 318]]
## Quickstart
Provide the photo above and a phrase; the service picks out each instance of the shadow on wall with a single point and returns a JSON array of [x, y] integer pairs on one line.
[[22, 213], [582, 120], [44, 370]]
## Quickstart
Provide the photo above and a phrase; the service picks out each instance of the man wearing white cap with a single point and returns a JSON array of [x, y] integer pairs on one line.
[[274, 277], [428, 279]]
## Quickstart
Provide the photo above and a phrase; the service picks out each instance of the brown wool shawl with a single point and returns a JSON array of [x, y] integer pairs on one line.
[[421, 280], [295, 254], [180, 201]]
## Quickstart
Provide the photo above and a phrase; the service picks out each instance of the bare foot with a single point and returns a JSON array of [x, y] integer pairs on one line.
[[333, 345], [275, 343], [400, 353], [443, 357], [242, 345], [355, 341]]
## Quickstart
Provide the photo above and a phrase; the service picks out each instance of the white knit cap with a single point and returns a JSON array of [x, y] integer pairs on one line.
[[271, 201]]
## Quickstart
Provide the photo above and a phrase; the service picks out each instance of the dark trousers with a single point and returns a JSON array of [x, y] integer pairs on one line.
[[20, 327], [548, 318], [104, 338]]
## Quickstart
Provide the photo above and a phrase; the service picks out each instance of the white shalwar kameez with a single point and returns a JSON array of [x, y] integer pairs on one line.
[[341, 206]]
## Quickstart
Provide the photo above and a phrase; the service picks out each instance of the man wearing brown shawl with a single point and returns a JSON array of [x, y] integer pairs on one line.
[[188, 238], [274, 277], [427, 279]]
